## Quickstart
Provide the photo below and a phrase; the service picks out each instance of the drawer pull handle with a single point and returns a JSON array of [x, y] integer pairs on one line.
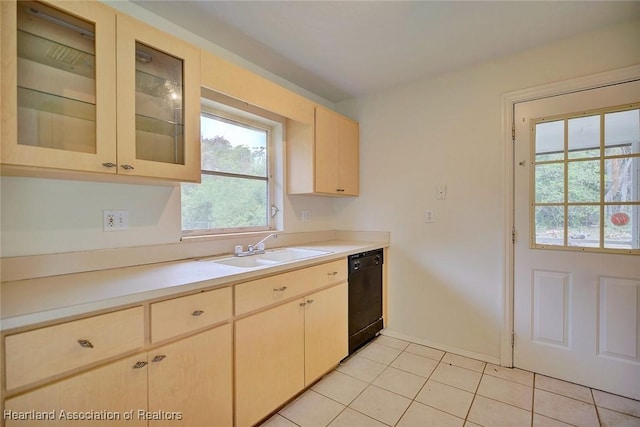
[[197, 313], [127, 167], [302, 304], [109, 165], [85, 343], [282, 289], [139, 365], [335, 273], [309, 301], [159, 358]]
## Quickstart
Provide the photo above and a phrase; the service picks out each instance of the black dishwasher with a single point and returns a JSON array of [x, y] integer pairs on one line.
[[365, 297]]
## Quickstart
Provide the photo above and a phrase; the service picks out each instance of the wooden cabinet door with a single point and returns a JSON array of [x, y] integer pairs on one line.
[[269, 361], [58, 81], [325, 330], [349, 173], [106, 392], [193, 377], [158, 93], [336, 154], [327, 154], [323, 158]]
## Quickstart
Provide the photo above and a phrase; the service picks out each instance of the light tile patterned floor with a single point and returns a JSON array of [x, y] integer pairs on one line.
[[392, 382]]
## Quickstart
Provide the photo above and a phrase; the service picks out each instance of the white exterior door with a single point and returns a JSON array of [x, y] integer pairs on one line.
[[576, 258]]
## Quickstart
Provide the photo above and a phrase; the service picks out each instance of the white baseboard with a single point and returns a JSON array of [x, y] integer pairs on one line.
[[443, 347]]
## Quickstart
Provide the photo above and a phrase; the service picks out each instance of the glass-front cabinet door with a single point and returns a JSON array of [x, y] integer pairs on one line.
[[158, 103], [58, 85]]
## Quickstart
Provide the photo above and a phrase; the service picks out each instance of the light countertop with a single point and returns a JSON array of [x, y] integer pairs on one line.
[[30, 302]]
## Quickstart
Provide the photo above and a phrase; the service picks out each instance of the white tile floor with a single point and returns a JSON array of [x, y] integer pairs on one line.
[[392, 382]]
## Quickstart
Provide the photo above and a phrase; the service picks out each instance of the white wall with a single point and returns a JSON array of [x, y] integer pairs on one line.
[[51, 216], [446, 278], [47, 216]]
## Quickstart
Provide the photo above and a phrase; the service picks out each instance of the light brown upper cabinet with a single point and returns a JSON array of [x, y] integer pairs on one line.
[[158, 103], [86, 89], [323, 158], [58, 103]]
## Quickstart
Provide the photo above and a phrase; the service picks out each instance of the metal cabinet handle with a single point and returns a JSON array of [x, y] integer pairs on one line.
[[335, 273], [139, 365], [340, 190], [302, 304], [282, 289], [159, 358], [109, 165], [85, 343], [127, 167], [309, 301], [197, 313]]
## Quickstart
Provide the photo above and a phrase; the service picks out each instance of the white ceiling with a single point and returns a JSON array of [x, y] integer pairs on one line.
[[343, 49]]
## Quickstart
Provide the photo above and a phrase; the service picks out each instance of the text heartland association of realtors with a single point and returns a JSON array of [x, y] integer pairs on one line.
[[62, 414]]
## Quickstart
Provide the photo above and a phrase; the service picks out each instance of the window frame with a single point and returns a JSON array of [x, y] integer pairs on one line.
[[601, 204], [251, 121]]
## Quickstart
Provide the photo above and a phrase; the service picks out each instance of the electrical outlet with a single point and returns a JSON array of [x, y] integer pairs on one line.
[[115, 220], [306, 215], [429, 216]]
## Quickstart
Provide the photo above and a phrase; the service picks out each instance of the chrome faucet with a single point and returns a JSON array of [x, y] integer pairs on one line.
[[254, 249]]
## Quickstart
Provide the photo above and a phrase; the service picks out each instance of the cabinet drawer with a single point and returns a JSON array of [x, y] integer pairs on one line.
[[263, 292], [38, 354], [181, 315]]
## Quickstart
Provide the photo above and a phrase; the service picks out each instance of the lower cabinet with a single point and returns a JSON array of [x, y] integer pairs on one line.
[[281, 350], [109, 392], [290, 329], [325, 331], [185, 383], [192, 377], [269, 361]]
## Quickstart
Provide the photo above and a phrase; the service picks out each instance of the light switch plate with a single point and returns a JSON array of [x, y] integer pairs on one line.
[[441, 192], [429, 216]]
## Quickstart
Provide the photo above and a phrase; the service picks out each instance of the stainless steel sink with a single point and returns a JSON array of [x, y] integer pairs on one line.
[[269, 258]]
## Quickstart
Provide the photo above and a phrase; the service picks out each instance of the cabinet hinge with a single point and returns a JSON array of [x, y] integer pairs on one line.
[[513, 132], [513, 235], [513, 339]]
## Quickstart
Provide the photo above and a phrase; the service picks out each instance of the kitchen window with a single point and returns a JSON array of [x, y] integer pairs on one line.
[[236, 190], [586, 172]]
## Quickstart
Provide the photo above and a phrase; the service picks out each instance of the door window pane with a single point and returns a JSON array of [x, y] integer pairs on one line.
[[621, 179], [584, 137], [621, 227], [549, 225], [584, 181], [549, 143], [622, 132], [549, 183], [584, 226]]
